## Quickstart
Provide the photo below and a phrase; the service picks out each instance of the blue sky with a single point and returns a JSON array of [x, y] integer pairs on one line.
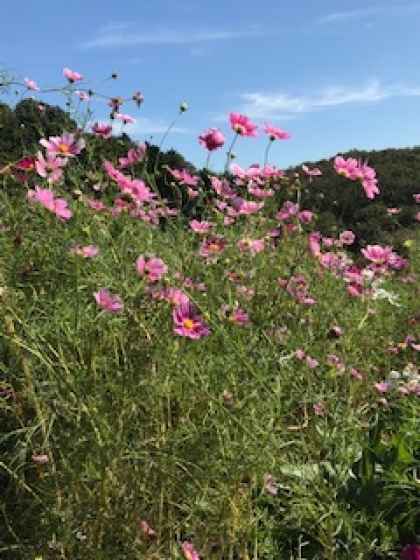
[[336, 74]]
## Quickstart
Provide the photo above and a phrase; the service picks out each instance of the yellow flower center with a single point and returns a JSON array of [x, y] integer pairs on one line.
[[63, 148], [188, 323]]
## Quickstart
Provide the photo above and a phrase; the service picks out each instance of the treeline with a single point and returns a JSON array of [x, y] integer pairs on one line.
[[338, 203]]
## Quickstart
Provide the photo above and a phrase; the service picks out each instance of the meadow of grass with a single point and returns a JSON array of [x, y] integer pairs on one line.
[[234, 387]]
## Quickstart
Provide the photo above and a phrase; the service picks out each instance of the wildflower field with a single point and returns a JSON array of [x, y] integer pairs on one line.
[[229, 384]]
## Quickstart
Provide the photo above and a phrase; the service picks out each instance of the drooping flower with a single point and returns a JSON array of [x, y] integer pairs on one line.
[[242, 125], [72, 76], [30, 84], [212, 139], [275, 133], [188, 323], [107, 301]]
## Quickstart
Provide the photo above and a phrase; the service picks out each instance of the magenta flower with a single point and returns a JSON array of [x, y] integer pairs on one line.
[[133, 156], [107, 301], [189, 551], [67, 145], [410, 552], [275, 133], [346, 167], [103, 130], [212, 245], [242, 125], [212, 139], [188, 323], [154, 269], [377, 254], [311, 172], [72, 76]]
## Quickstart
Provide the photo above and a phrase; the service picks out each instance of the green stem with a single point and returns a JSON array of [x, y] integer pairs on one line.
[[229, 153]]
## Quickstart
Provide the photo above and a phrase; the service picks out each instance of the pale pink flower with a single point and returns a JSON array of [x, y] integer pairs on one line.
[[87, 252], [252, 246], [200, 227], [212, 139], [83, 96], [153, 269], [188, 323], [40, 459], [393, 211], [72, 76], [50, 168], [242, 125], [30, 84], [107, 301], [347, 237], [189, 551], [271, 484], [311, 172], [275, 133], [247, 207], [126, 119], [319, 409], [416, 197], [383, 386], [146, 528], [66, 145], [355, 373]]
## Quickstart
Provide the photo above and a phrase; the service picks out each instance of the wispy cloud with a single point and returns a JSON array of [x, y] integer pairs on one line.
[[283, 105], [400, 10], [124, 35]]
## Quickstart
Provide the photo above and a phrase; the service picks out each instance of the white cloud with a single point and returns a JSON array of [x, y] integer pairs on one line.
[[400, 10], [283, 105], [122, 35]]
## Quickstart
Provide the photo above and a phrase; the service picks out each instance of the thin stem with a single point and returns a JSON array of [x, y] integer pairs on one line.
[[229, 152]]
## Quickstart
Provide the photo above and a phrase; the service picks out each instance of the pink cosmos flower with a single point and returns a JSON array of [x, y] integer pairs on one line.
[[47, 198], [247, 207], [134, 155], [212, 139], [184, 177], [410, 552], [72, 76], [242, 125], [306, 216], [355, 373], [319, 409], [347, 237], [67, 145], [107, 301], [271, 484], [40, 459], [275, 133], [253, 246], [212, 245], [103, 130], [235, 314], [83, 96], [200, 227], [188, 323], [87, 252], [146, 528], [126, 119], [189, 551], [153, 268], [346, 167], [416, 197], [30, 84], [50, 168], [377, 254], [311, 172]]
